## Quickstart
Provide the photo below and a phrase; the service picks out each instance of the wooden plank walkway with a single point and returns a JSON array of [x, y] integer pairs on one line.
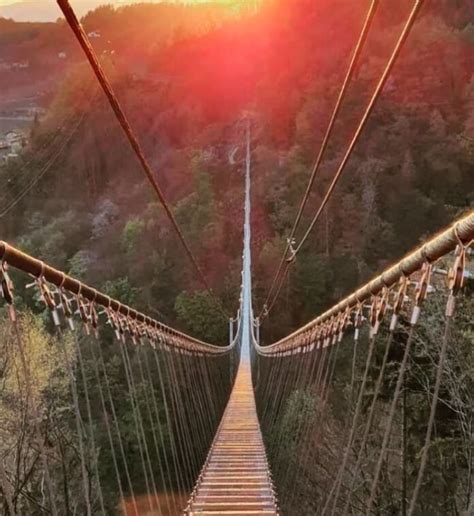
[[235, 478]]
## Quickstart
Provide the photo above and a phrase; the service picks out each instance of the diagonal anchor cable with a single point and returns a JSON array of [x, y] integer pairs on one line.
[[89, 51]]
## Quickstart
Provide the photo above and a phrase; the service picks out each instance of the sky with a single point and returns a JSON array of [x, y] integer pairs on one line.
[[9, 2], [98, 2], [47, 10]]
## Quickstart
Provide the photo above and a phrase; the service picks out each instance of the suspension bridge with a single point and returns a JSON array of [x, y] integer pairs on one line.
[[112, 411]]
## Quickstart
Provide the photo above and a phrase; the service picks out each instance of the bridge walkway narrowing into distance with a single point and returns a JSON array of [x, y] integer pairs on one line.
[[236, 478]]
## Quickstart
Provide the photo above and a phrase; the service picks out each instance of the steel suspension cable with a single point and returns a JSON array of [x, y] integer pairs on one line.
[[268, 358], [204, 399], [304, 431], [45, 168], [277, 396], [378, 90], [345, 430], [268, 388], [348, 419], [330, 372], [323, 364], [314, 171], [320, 374], [186, 410], [42, 153], [192, 410], [138, 431], [5, 483], [389, 424], [180, 426], [404, 439], [79, 429], [368, 423], [141, 428], [207, 399], [151, 421], [363, 122], [355, 418], [291, 385], [104, 82], [116, 424], [174, 448], [300, 387], [90, 421], [213, 398], [110, 436], [198, 376], [149, 377], [30, 402], [434, 403], [353, 368]]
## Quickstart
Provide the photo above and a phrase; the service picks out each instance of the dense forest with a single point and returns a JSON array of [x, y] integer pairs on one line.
[[92, 215], [315, 421], [186, 77]]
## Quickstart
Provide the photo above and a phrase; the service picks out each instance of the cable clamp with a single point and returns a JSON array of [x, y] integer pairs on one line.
[[64, 302], [93, 316], [291, 247], [46, 296], [358, 319], [121, 324], [399, 299], [377, 311], [6, 284], [456, 274], [7, 288], [421, 290], [82, 310], [338, 327]]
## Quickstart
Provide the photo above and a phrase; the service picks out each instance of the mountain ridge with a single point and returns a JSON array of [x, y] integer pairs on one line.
[[40, 11]]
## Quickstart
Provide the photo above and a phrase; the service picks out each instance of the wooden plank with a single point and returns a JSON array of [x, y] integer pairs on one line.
[[236, 478]]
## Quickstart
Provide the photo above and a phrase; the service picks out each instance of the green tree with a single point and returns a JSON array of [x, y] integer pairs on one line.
[[131, 235], [196, 212], [201, 316]]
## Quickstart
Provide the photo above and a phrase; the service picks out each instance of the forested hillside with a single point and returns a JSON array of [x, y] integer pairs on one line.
[[131, 34], [186, 76]]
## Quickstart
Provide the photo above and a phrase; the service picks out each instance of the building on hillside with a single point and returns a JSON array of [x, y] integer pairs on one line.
[[35, 111], [11, 144], [94, 34], [20, 65], [15, 139], [9, 157], [4, 151]]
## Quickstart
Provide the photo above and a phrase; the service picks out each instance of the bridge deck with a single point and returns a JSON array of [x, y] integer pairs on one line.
[[235, 478]]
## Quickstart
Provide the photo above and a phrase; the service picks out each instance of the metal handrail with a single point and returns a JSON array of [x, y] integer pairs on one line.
[[461, 232], [38, 269]]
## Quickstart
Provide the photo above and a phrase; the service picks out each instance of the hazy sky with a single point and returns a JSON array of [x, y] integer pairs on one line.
[[9, 2], [99, 2], [47, 10]]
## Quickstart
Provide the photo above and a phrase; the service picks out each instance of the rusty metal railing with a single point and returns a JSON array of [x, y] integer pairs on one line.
[[331, 323], [86, 298]]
